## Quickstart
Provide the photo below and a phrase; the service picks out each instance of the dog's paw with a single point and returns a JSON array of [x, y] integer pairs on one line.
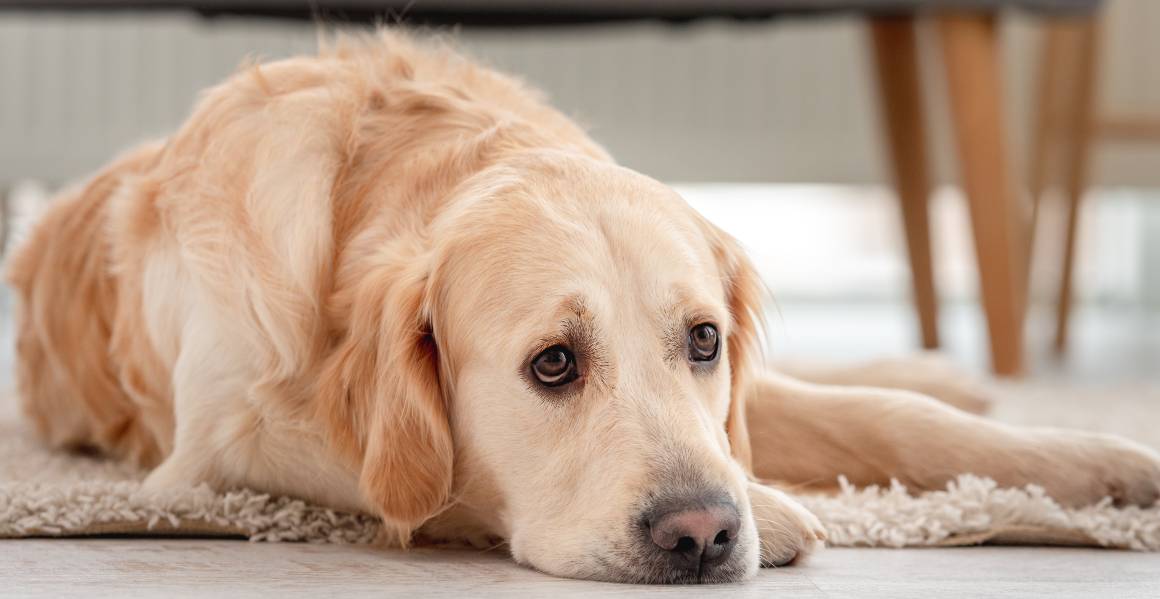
[[928, 373], [1089, 467], [177, 472], [787, 532], [1126, 472], [481, 541], [931, 373], [448, 531]]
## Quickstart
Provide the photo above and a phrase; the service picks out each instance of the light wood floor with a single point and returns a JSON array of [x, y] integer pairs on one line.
[[176, 568]]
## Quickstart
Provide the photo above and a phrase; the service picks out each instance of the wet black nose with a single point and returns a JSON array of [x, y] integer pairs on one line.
[[695, 536]]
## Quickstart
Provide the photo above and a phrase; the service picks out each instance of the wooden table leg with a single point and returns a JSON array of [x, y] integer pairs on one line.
[[900, 103], [1080, 126], [1043, 166], [970, 57]]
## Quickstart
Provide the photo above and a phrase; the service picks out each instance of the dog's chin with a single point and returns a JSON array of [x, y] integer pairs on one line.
[[734, 571], [628, 565]]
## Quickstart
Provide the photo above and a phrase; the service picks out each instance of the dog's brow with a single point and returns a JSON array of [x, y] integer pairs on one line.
[[576, 322], [688, 305], [574, 305], [579, 325]]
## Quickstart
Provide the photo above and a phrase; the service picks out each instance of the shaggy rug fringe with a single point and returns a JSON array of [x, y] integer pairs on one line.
[[46, 493], [973, 510]]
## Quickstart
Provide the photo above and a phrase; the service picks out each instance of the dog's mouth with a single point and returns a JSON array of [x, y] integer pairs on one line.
[[627, 568], [628, 561]]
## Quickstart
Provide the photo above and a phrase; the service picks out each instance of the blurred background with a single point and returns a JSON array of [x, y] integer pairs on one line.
[[778, 129]]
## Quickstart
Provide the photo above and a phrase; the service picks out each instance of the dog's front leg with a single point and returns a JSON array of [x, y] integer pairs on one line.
[[210, 385], [810, 434], [787, 531]]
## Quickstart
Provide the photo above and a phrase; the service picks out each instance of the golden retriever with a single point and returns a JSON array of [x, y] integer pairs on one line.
[[387, 279]]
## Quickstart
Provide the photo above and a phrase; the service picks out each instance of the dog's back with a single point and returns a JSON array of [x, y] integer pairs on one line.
[[68, 379], [291, 153]]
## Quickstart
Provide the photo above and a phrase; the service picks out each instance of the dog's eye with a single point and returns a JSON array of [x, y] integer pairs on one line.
[[703, 342], [554, 366]]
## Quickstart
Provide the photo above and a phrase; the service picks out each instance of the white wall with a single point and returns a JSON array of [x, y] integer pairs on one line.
[[781, 101]]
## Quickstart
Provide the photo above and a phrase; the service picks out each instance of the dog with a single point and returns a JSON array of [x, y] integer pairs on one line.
[[386, 279]]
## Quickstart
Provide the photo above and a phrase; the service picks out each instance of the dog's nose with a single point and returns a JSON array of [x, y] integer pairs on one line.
[[697, 535]]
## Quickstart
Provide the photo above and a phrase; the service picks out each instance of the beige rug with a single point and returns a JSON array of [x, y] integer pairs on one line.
[[45, 493]]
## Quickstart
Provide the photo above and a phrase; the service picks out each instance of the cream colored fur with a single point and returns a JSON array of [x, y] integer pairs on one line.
[[329, 284]]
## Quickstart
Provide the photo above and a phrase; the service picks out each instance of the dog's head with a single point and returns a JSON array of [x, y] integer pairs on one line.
[[560, 364]]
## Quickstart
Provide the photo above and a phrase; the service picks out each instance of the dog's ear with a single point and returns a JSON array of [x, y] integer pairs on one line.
[[381, 396], [744, 293]]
